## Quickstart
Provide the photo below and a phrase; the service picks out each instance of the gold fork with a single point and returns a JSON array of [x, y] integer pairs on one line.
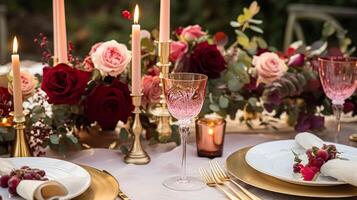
[[211, 183], [223, 176], [218, 180]]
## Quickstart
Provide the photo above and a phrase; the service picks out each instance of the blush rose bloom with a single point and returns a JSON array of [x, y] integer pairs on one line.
[[151, 90], [269, 67], [111, 58], [28, 84], [178, 49], [191, 33]]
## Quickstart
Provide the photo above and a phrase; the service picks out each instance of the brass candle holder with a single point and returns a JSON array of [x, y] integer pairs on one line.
[[20, 147], [137, 155], [161, 111]]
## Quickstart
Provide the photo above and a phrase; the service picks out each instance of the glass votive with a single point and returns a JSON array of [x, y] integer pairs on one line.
[[210, 137]]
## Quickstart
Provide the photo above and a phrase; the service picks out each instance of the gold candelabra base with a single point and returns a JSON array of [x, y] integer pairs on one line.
[[161, 112], [353, 137], [20, 147], [137, 155]]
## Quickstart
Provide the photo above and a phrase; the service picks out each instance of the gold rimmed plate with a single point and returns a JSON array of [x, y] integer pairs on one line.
[[238, 167], [103, 186]]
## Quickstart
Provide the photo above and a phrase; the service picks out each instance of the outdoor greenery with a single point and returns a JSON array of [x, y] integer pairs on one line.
[[90, 21]]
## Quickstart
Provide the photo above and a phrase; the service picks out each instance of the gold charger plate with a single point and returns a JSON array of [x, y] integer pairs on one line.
[[238, 167], [103, 186]]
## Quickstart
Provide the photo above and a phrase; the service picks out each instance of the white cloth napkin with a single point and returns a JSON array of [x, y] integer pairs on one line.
[[33, 189], [308, 140], [344, 170]]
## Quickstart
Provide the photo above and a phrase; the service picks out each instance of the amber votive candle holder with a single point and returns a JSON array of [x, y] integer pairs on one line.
[[210, 134]]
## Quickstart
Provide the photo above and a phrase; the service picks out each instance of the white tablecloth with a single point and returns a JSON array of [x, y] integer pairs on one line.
[[145, 182]]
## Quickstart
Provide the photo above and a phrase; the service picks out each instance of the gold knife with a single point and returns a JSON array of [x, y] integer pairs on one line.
[[121, 194]]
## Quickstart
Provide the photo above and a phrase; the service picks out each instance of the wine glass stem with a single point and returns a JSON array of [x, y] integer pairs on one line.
[[337, 110], [184, 129]]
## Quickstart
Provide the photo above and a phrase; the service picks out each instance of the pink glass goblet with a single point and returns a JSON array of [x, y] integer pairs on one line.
[[184, 94], [338, 78]]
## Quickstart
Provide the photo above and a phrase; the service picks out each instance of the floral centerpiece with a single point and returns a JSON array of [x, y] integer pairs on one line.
[[247, 76]]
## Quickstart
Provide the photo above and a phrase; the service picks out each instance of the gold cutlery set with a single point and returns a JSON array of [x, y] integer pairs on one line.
[[215, 176]]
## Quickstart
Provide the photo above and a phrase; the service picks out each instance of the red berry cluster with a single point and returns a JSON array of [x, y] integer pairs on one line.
[[317, 157], [42, 42], [12, 180], [126, 14]]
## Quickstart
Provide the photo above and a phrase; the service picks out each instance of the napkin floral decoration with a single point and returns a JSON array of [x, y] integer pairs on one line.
[[316, 158]]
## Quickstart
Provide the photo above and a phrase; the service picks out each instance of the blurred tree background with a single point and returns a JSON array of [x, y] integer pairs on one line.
[[90, 21]]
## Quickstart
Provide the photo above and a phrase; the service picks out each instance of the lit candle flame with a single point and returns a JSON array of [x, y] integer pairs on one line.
[[4, 120], [14, 46], [136, 14], [210, 131]]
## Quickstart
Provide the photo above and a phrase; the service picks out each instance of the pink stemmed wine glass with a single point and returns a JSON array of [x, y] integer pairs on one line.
[[184, 94], [338, 78]]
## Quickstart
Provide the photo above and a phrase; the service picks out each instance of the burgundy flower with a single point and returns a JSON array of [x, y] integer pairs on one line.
[[306, 122], [207, 59], [313, 85], [64, 84], [5, 102], [107, 104], [261, 51], [179, 30], [303, 123], [348, 106], [296, 60]]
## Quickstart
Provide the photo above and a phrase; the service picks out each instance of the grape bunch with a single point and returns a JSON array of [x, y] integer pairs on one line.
[[12, 180], [317, 157]]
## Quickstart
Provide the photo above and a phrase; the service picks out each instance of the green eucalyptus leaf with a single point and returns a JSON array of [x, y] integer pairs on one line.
[[73, 139], [223, 102], [234, 85], [124, 149], [123, 134], [38, 109], [54, 139], [214, 107]]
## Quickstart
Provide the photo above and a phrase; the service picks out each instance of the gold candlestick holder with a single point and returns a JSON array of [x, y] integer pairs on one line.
[[137, 155], [161, 111], [20, 147]]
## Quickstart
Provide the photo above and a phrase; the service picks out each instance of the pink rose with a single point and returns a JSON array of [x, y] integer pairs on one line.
[[111, 58], [192, 32], [269, 67], [94, 48], [151, 90], [178, 49], [28, 84], [88, 65]]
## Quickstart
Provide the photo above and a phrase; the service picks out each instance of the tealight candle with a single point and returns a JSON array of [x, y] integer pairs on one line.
[[210, 137]]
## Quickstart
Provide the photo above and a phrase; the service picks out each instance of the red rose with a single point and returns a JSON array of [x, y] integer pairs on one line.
[[107, 104], [207, 59], [64, 84]]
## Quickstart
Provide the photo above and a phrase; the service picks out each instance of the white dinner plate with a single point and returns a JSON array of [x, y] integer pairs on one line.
[[73, 177], [276, 159]]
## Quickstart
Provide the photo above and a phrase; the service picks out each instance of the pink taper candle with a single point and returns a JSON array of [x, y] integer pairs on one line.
[[136, 55], [164, 21], [61, 33], [55, 28], [16, 81]]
